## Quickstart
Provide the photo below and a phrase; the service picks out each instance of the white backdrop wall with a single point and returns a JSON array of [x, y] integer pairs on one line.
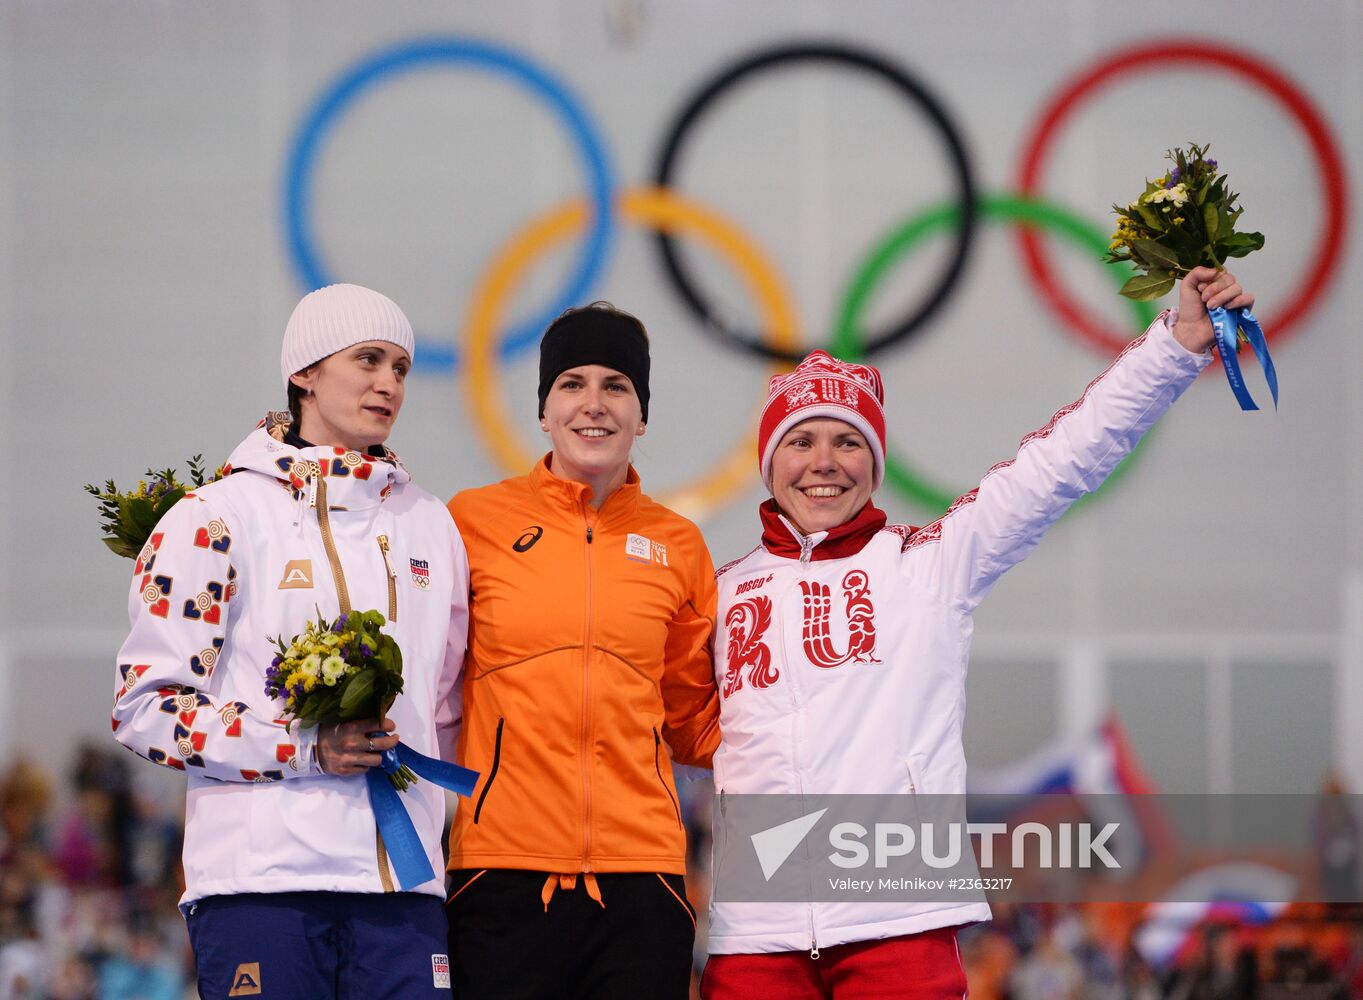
[[1214, 597]]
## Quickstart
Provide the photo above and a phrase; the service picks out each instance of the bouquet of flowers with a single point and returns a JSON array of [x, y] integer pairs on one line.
[[1183, 220], [130, 516], [339, 671]]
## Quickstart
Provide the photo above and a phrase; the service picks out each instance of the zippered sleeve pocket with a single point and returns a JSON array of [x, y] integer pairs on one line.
[[492, 771], [658, 766]]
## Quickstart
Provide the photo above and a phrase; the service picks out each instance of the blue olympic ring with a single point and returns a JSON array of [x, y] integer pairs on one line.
[[406, 57]]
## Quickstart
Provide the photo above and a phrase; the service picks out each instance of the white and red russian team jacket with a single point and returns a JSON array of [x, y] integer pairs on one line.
[[239, 562], [841, 656]]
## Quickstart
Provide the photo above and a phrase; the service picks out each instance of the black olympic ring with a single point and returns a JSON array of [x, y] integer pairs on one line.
[[902, 81]]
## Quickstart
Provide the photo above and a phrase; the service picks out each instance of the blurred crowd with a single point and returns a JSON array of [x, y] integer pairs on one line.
[[89, 880]]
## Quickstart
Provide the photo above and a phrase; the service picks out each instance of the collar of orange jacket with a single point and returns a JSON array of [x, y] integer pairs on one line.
[[573, 497]]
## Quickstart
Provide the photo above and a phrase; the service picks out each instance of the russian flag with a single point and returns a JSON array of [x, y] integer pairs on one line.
[[1099, 766], [1238, 892]]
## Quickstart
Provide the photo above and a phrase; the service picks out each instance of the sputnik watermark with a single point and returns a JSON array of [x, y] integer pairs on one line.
[[1054, 848], [911, 848], [888, 841]]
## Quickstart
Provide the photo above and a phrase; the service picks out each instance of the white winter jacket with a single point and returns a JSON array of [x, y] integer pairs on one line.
[[248, 558], [841, 658]]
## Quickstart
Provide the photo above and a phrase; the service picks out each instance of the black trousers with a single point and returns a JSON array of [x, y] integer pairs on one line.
[[505, 942]]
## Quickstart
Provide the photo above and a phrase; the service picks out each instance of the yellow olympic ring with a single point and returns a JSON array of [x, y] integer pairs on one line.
[[665, 211]]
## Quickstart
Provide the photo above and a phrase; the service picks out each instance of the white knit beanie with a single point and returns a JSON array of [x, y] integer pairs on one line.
[[336, 317]]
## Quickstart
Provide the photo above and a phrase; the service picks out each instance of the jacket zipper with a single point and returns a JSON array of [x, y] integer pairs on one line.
[[806, 549], [392, 580], [492, 773], [586, 703], [317, 497], [658, 766]]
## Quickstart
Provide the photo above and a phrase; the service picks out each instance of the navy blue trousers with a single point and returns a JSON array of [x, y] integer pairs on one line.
[[320, 946]]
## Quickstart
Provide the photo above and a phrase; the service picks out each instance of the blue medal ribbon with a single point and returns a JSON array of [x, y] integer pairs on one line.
[[1225, 322], [405, 850]]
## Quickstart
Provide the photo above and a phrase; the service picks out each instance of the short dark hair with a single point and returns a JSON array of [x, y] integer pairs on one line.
[[296, 397]]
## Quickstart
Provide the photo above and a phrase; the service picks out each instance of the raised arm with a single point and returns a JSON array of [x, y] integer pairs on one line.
[[993, 527]]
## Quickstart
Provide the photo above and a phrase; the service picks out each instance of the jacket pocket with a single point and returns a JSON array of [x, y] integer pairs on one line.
[[460, 880], [658, 766], [675, 885], [719, 839], [913, 772], [492, 772]]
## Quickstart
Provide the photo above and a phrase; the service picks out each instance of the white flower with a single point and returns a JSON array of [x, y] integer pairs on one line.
[[311, 665], [1178, 194], [333, 669]]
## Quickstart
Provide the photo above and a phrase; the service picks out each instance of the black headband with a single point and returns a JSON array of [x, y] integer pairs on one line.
[[595, 337]]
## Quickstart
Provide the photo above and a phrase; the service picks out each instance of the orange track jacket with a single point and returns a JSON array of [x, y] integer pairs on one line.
[[589, 648]]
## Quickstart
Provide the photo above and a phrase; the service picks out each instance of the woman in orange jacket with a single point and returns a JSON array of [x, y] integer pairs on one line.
[[588, 672]]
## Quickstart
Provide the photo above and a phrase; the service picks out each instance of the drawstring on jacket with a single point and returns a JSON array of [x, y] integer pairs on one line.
[[568, 883]]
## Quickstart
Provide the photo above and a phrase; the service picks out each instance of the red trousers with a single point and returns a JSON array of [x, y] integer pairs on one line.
[[923, 966]]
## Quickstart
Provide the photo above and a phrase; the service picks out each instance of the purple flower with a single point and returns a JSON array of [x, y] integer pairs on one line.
[[1174, 177], [365, 649], [275, 662], [339, 627], [344, 653], [1210, 163]]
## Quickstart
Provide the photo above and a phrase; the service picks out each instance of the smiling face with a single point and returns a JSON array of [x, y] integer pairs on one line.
[[353, 396], [822, 473], [593, 416]]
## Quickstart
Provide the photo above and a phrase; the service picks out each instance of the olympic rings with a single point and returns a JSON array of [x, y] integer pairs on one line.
[[914, 485], [666, 211], [901, 80], [407, 57], [1319, 270]]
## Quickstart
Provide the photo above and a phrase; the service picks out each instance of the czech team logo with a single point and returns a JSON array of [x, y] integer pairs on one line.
[[421, 573]]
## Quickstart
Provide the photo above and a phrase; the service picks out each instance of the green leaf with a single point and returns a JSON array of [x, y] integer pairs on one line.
[[143, 514], [1211, 218], [121, 548], [1241, 244], [1144, 287], [1155, 254], [1150, 218], [357, 700], [308, 709]]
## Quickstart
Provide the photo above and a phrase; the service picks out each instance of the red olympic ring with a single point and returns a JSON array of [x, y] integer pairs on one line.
[[1319, 271]]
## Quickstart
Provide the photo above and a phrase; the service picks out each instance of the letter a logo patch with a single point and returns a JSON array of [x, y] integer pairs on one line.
[[297, 575], [246, 980]]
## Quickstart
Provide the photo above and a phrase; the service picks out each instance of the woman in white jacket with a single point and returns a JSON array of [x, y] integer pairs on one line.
[[289, 891], [841, 642]]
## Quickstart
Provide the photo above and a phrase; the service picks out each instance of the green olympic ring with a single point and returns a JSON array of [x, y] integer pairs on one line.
[[915, 486]]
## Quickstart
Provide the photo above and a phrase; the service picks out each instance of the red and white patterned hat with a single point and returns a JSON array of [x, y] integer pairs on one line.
[[823, 386]]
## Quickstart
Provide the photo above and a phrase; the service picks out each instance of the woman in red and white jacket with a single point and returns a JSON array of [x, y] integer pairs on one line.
[[841, 642]]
